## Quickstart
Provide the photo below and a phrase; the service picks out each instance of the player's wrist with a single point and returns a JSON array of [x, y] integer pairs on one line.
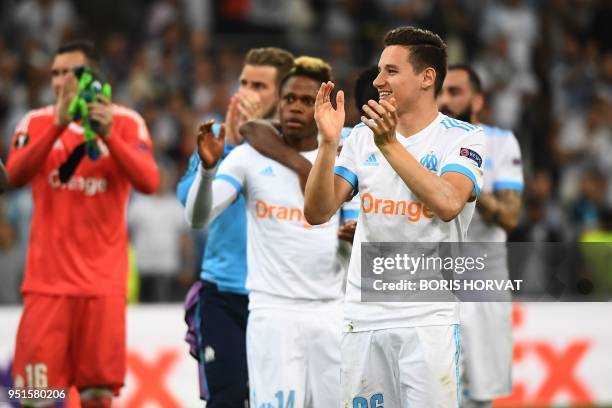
[[327, 143], [61, 121], [389, 146], [208, 172]]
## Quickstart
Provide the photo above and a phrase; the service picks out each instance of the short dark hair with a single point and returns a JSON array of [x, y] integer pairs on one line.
[[473, 77], [364, 89], [426, 50], [278, 58], [85, 46], [310, 67]]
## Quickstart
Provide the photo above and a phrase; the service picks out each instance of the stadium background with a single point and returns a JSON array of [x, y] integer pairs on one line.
[[547, 71]]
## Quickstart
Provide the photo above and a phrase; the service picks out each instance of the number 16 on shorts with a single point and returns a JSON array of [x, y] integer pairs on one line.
[[376, 401], [36, 377]]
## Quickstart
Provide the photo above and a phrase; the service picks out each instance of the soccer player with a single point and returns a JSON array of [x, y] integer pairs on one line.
[[222, 307], [293, 332], [487, 364], [72, 331], [400, 354], [264, 137]]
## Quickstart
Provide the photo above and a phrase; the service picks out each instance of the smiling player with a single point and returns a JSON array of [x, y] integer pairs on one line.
[[399, 354]]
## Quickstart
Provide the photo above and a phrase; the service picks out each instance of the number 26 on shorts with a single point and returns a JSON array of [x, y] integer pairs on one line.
[[376, 401]]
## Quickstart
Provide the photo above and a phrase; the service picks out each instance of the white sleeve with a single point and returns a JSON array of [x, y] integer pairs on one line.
[[467, 157], [508, 170], [214, 190]]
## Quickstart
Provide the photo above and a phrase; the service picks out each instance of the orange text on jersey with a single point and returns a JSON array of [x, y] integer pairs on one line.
[[412, 209], [280, 212]]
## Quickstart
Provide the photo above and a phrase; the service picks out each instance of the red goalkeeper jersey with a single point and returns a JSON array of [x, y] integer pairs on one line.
[[78, 239]]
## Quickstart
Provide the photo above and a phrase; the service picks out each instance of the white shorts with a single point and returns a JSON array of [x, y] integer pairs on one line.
[[486, 336], [416, 367], [294, 358]]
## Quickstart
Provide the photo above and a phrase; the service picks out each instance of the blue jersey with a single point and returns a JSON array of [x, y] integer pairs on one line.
[[224, 260]]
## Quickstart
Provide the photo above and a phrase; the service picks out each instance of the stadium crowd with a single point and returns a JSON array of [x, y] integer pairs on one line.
[[546, 67]]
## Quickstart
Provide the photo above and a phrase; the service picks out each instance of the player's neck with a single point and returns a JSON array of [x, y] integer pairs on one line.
[[416, 119], [474, 119], [304, 144]]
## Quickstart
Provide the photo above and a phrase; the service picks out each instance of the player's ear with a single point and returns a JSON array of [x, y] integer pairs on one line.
[[477, 103], [428, 78]]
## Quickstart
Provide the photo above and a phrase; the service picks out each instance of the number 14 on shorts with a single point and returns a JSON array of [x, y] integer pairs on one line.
[[280, 400], [376, 401]]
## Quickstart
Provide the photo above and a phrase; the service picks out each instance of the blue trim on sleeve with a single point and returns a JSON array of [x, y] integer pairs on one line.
[[227, 149], [457, 168], [230, 180], [508, 185], [449, 122], [347, 215], [348, 176]]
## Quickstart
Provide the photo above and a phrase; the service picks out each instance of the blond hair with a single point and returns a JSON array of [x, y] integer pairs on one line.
[[310, 67], [278, 58]]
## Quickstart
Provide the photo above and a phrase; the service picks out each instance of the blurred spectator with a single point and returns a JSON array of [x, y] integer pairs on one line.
[[541, 221], [515, 20], [505, 80], [159, 235], [141, 85], [593, 189], [114, 55], [13, 97], [162, 14], [48, 21], [12, 259], [572, 77], [603, 82], [203, 84], [583, 140], [198, 14]]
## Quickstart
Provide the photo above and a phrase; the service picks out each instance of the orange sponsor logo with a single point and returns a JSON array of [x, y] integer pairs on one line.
[[280, 213], [412, 210]]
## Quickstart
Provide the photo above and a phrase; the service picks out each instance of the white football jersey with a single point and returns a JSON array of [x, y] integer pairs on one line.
[[390, 212], [289, 261], [503, 171]]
